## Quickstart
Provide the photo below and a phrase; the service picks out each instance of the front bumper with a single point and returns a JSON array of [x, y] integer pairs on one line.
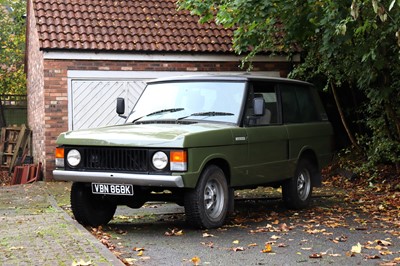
[[134, 179]]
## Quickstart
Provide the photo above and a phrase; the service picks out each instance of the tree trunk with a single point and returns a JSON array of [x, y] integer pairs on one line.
[[342, 118], [391, 114]]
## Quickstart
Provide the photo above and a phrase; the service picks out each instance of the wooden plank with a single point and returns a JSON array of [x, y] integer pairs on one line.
[[2, 143], [20, 139], [17, 175]]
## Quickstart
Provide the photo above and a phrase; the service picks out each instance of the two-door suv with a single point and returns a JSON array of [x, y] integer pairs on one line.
[[193, 141]]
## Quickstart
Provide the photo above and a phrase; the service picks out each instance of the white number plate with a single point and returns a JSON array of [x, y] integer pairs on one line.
[[112, 189]]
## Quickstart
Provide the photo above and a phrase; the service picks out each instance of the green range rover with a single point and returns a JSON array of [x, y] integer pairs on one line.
[[193, 141]]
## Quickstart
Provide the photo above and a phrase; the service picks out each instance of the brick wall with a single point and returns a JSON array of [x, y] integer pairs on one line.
[[35, 83], [52, 119]]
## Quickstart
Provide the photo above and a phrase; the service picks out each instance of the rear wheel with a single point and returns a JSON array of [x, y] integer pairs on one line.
[[297, 191], [206, 206], [90, 209]]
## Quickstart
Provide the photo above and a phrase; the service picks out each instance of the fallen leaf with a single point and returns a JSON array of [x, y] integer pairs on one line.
[[174, 232], [334, 255], [378, 247], [252, 245], [385, 252], [315, 231], [195, 260], [311, 221], [16, 248], [315, 256], [356, 248], [340, 239], [235, 241], [138, 249], [284, 227], [121, 232], [209, 244], [82, 263], [267, 248], [383, 243], [238, 249], [208, 235], [372, 257], [129, 261], [274, 237], [140, 253]]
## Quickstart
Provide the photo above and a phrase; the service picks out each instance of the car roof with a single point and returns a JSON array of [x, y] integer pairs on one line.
[[227, 77]]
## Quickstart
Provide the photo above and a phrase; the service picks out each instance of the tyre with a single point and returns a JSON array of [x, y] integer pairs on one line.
[[206, 206], [136, 204], [90, 209], [138, 200], [297, 191]]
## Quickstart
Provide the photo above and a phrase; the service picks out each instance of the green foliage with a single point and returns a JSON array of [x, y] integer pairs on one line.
[[347, 44], [12, 46]]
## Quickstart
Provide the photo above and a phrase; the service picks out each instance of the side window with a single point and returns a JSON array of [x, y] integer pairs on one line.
[[298, 104], [290, 108], [267, 92]]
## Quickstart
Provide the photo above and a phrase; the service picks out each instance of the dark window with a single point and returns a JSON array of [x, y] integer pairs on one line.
[[298, 104]]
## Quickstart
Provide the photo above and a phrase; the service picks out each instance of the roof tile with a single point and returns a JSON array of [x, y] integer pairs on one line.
[[141, 25]]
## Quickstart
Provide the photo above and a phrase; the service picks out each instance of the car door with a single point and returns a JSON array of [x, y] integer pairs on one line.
[[267, 137]]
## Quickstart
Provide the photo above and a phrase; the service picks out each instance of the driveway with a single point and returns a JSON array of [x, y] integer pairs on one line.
[[335, 230]]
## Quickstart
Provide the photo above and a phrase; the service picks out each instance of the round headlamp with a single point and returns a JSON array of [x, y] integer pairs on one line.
[[73, 157], [160, 160]]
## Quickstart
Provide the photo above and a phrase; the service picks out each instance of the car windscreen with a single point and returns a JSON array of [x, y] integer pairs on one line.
[[218, 101]]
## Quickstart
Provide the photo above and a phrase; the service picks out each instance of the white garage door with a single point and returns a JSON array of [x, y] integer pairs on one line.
[[94, 101], [92, 95]]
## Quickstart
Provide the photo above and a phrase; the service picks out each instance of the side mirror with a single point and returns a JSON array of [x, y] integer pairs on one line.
[[121, 107], [259, 106]]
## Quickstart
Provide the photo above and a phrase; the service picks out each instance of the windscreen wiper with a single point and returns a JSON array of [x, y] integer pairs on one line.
[[213, 113], [170, 110]]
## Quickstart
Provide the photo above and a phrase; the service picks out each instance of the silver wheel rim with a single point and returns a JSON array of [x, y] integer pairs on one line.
[[213, 198], [303, 184]]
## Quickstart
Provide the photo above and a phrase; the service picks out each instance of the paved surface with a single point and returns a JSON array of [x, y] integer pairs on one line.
[[35, 231]]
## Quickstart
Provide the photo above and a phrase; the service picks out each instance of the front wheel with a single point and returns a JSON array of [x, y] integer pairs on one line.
[[206, 206], [90, 209], [297, 191]]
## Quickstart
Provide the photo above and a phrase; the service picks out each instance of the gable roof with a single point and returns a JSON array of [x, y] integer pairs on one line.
[[125, 25]]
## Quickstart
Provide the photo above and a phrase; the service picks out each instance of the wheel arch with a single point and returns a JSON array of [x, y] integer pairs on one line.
[[221, 163], [310, 155]]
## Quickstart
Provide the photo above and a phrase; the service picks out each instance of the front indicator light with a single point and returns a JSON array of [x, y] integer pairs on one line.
[[178, 160], [59, 157]]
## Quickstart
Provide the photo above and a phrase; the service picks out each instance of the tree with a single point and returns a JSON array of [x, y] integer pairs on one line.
[[348, 45], [12, 46]]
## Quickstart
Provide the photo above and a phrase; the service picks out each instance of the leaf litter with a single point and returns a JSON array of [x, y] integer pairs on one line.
[[354, 207]]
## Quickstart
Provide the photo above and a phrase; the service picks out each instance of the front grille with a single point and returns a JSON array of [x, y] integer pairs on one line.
[[112, 159]]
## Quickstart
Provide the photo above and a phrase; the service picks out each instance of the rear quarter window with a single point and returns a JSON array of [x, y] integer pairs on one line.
[[299, 104]]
